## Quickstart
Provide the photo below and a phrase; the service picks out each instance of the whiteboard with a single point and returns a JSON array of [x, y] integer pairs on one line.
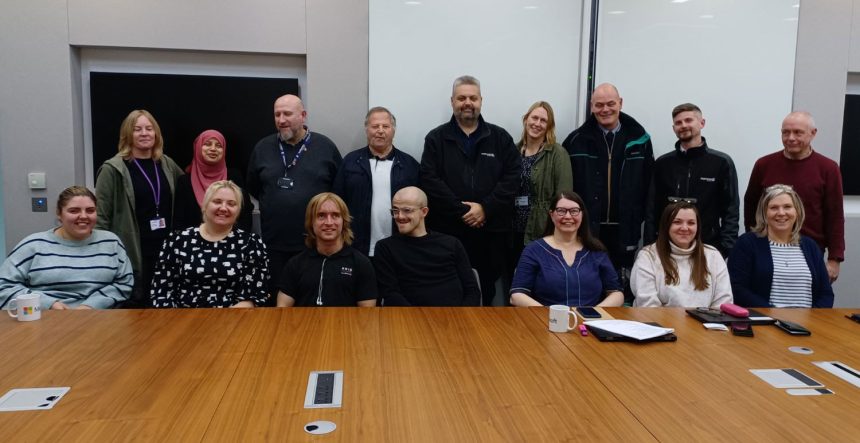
[[522, 51]]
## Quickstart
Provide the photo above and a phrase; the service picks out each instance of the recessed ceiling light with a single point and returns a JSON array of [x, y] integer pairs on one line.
[[796, 6], [706, 16], [529, 7], [616, 12], [412, 3], [680, 1]]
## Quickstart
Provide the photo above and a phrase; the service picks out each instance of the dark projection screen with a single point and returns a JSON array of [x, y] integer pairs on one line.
[[849, 159], [185, 106]]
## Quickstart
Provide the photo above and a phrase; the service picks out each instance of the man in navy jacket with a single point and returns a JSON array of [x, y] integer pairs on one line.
[[370, 176], [470, 170]]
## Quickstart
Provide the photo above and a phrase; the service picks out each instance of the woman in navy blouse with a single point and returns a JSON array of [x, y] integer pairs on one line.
[[567, 266]]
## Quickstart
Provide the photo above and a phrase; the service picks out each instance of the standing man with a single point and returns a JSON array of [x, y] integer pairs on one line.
[[285, 170], [612, 158], [328, 272], [695, 173], [369, 177], [815, 178], [421, 267], [470, 171]]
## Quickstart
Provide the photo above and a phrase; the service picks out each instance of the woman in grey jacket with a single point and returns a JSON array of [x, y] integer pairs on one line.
[[135, 193]]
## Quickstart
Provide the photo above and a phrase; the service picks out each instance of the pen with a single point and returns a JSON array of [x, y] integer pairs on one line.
[[583, 330]]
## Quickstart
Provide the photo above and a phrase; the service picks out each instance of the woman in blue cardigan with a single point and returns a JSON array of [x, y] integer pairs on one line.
[[775, 266]]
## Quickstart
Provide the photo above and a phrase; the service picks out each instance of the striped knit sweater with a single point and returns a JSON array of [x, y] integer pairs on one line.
[[94, 272]]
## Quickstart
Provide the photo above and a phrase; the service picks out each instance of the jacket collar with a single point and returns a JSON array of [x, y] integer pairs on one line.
[[692, 152]]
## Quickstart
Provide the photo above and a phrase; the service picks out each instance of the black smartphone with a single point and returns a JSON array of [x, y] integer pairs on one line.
[[588, 312], [855, 317], [742, 329], [792, 328]]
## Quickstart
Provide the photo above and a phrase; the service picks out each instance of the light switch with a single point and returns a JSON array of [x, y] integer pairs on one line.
[[36, 180]]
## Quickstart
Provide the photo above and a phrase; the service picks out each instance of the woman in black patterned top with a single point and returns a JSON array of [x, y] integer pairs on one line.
[[212, 265]]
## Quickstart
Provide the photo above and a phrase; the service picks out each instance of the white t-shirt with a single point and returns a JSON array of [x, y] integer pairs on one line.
[[380, 217]]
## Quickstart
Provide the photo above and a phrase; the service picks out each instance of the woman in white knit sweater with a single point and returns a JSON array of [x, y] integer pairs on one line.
[[678, 269]]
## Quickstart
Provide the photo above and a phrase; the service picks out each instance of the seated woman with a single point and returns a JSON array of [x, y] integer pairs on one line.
[[773, 265], [567, 266], [212, 265], [73, 266], [208, 165], [678, 269]]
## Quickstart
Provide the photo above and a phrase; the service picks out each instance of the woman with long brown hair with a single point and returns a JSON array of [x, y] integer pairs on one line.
[[678, 269]]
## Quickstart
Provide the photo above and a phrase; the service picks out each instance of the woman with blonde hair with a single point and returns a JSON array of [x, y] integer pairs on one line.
[[774, 265], [214, 264], [135, 192]]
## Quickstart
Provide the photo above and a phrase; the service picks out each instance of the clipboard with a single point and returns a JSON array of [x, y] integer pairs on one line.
[[603, 335], [717, 316]]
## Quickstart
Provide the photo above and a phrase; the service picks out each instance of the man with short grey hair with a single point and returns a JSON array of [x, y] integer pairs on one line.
[[369, 177], [816, 179], [470, 170]]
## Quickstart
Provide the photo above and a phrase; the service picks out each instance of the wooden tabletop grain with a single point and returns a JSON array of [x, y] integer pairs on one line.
[[416, 374]]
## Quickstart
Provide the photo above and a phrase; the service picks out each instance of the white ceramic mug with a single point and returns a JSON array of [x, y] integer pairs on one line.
[[559, 318], [27, 307]]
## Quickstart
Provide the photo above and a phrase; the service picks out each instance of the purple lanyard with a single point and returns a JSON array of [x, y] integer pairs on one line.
[[156, 190]]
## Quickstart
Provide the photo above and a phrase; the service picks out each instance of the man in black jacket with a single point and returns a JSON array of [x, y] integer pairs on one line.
[[470, 170], [612, 157], [700, 175]]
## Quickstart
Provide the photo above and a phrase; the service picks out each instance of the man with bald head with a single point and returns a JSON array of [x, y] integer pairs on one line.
[[417, 267], [612, 158], [816, 179], [285, 170]]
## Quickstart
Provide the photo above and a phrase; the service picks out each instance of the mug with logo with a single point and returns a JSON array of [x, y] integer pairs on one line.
[[559, 318], [26, 307]]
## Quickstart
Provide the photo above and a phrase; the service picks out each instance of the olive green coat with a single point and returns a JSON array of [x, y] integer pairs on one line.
[[551, 173]]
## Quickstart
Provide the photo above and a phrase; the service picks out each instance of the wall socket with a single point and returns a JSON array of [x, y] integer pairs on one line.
[[40, 204]]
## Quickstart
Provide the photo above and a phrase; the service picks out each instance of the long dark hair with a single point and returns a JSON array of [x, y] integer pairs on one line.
[[584, 231], [699, 274]]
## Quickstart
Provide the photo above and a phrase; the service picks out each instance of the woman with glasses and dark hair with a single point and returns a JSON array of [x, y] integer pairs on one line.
[[567, 266], [679, 269], [773, 265]]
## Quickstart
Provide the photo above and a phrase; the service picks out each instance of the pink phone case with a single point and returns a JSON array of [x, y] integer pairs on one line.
[[734, 310]]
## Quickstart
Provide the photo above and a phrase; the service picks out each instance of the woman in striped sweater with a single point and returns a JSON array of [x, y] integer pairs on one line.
[[73, 266]]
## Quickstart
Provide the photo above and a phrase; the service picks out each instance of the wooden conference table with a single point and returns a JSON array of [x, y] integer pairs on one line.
[[417, 374]]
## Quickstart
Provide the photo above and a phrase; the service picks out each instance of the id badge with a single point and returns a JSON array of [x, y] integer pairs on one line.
[[522, 200], [285, 183], [157, 223]]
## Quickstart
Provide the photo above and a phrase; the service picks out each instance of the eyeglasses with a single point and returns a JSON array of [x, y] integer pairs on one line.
[[689, 200], [778, 187], [405, 211], [561, 212]]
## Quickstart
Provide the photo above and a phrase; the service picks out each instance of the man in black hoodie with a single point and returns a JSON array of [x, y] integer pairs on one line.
[[612, 157], [470, 170], [700, 175]]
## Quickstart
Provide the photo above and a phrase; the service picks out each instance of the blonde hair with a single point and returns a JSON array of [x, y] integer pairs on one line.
[[770, 193], [217, 186], [126, 134], [550, 123], [311, 214]]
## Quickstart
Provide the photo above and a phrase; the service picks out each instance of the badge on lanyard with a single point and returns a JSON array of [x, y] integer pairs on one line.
[[522, 200], [157, 223], [286, 182]]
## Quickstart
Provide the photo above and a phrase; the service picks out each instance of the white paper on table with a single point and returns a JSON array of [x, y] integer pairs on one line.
[[786, 378], [628, 328]]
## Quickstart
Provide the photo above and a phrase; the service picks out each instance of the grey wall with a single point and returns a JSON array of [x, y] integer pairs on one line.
[[41, 115], [828, 49]]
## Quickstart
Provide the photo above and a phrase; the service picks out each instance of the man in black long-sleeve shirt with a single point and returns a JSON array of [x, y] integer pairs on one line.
[[421, 268]]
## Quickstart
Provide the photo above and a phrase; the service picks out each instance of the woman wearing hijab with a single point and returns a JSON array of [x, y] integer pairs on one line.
[[207, 166]]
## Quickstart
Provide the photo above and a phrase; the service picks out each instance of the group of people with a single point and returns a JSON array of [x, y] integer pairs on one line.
[[561, 223]]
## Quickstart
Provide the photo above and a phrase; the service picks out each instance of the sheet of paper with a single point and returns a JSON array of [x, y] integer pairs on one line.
[[31, 398], [786, 378], [632, 329]]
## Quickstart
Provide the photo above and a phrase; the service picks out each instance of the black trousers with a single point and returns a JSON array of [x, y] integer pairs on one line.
[[486, 252]]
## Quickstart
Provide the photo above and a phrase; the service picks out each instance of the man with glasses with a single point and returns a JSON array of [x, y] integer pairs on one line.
[[369, 177], [695, 173], [470, 170], [421, 267], [815, 178]]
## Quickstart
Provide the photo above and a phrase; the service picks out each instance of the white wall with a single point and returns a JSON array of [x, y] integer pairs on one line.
[[521, 52]]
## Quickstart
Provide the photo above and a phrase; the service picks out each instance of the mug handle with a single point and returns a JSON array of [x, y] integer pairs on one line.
[[12, 305], [575, 320]]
